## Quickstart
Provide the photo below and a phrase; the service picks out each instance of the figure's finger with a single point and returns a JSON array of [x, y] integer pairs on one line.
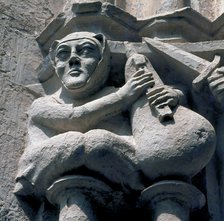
[[148, 75], [160, 100], [172, 102], [214, 76], [156, 96], [155, 90], [138, 73], [216, 83], [143, 80], [220, 70], [166, 103], [145, 85]]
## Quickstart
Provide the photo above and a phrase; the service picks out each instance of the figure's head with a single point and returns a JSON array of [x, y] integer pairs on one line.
[[81, 61]]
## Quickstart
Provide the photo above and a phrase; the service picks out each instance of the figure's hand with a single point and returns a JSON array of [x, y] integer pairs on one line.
[[136, 86], [163, 96], [216, 84]]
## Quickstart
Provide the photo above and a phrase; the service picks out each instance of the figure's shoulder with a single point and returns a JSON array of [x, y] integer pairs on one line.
[[49, 99]]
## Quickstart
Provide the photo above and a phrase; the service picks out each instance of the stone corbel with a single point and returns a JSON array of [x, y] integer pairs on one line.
[[178, 144]]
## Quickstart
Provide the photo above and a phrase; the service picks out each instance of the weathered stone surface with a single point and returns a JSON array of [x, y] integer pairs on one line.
[[146, 8], [172, 200], [210, 9], [106, 19], [182, 25], [21, 21], [162, 146], [76, 127]]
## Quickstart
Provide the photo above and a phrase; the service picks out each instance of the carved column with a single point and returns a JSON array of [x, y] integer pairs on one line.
[[76, 196], [172, 200]]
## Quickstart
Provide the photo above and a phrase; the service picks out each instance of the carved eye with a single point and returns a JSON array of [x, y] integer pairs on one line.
[[63, 54], [85, 50]]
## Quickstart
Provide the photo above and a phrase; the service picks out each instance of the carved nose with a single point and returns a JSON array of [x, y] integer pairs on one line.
[[74, 61]]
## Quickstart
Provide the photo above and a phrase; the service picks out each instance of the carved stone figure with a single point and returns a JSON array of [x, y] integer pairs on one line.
[[81, 127], [71, 128], [216, 84]]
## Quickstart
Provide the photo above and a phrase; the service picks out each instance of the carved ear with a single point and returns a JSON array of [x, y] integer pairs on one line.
[[52, 51], [102, 40], [100, 37]]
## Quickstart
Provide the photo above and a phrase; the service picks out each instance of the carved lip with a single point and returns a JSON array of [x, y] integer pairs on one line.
[[75, 72]]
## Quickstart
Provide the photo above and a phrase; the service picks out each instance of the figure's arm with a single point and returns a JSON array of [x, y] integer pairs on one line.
[[216, 84], [65, 117]]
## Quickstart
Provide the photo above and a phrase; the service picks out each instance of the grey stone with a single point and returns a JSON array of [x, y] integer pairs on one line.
[[181, 26], [179, 147], [106, 18], [76, 127], [172, 200], [75, 194]]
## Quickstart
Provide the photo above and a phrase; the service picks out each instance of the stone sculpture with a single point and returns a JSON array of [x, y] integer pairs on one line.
[[162, 145], [81, 128], [216, 84]]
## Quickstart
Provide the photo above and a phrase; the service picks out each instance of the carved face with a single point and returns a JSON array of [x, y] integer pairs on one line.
[[75, 62]]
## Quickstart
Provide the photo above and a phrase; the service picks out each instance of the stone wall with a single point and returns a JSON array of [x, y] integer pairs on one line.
[[21, 22], [146, 8]]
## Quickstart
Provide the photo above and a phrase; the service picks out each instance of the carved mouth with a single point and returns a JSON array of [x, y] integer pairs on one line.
[[75, 73]]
